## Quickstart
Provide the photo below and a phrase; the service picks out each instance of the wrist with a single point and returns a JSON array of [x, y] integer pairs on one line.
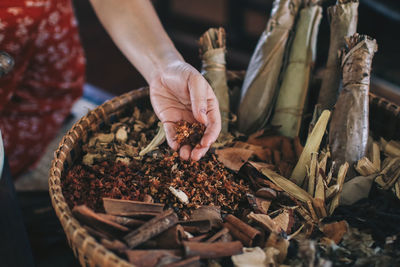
[[161, 62]]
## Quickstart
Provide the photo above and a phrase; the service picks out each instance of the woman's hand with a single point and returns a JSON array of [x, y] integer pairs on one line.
[[179, 92]]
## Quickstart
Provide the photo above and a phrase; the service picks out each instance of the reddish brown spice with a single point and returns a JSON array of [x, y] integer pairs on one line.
[[205, 182], [189, 133]]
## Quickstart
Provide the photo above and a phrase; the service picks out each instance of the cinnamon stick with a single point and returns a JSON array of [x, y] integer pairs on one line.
[[154, 257], [128, 207], [218, 235], [212, 250], [152, 228], [242, 231], [196, 226], [89, 217], [169, 239], [125, 221], [189, 262]]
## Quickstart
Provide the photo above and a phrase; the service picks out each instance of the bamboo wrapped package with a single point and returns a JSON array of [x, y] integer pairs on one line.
[[348, 135], [260, 82], [343, 23], [212, 52], [293, 91]]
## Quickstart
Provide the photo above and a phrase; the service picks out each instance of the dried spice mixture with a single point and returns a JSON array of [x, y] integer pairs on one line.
[[112, 168]]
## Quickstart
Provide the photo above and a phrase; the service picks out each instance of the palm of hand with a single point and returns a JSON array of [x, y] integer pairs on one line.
[[181, 93]]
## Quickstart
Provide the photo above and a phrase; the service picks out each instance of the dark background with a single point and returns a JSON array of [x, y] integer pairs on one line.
[[244, 20]]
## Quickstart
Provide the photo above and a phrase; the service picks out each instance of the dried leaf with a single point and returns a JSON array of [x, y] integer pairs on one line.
[[233, 158]]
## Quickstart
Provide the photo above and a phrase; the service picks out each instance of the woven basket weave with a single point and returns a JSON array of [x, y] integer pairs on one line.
[[384, 120]]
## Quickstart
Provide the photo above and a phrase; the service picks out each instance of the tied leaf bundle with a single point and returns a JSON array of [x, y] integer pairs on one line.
[[343, 23], [212, 51], [348, 135], [260, 82], [293, 91]]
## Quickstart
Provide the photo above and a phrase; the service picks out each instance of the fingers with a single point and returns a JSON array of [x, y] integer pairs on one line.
[[170, 133], [198, 90], [184, 152]]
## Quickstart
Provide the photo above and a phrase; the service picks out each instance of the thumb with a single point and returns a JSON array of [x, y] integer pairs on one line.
[[198, 88]]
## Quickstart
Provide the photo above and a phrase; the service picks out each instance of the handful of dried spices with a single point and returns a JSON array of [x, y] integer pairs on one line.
[[189, 133]]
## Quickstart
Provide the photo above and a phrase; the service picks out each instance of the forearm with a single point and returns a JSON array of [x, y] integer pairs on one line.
[[136, 30]]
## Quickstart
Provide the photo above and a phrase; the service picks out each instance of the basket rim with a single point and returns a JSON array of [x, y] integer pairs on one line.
[[85, 247]]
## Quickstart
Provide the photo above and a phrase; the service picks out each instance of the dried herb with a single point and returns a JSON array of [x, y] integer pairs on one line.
[[189, 133]]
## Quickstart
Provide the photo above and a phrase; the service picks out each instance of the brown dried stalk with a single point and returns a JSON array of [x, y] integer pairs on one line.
[[348, 135]]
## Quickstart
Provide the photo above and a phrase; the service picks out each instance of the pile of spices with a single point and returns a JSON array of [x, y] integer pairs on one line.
[[206, 182]]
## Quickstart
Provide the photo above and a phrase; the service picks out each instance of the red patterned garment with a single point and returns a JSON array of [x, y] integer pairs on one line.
[[36, 97]]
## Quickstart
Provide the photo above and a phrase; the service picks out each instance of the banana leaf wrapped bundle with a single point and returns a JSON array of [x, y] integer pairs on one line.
[[260, 83], [343, 23], [212, 52], [349, 128], [293, 91]]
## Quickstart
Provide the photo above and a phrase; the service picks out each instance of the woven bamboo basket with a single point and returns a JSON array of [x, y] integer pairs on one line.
[[384, 121]]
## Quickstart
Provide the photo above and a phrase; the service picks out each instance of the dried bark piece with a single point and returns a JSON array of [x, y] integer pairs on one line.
[[391, 148], [89, 217], [115, 245], [125, 221], [376, 156], [152, 258], [365, 167], [319, 207], [389, 174], [312, 173], [348, 134], [247, 234], [210, 213], [285, 220], [212, 250], [267, 193], [196, 226], [218, 235], [335, 231], [189, 262], [169, 239], [152, 228], [189, 133], [233, 158], [128, 207], [340, 181], [265, 222], [263, 153]]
